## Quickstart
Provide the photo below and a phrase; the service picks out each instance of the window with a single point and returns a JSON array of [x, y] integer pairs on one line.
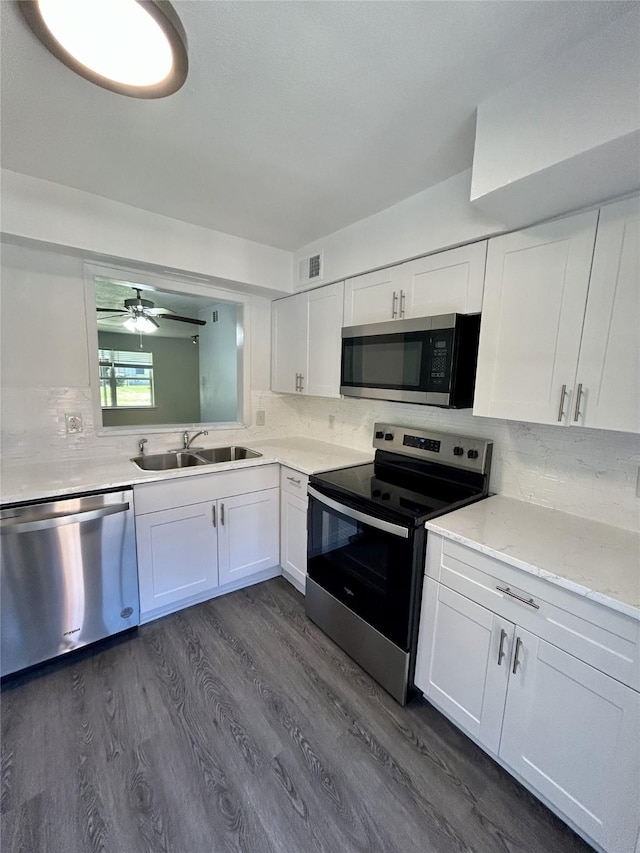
[[126, 379]]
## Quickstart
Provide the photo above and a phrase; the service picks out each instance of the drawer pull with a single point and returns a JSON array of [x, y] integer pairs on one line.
[[508, 591], [516, 659], [501, 653], [294, 480], [213, 514]]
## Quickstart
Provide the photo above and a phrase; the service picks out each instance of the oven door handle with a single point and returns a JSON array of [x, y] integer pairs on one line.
[[356, 515]]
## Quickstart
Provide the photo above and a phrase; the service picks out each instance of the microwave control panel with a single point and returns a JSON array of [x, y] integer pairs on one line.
[[440, 358]]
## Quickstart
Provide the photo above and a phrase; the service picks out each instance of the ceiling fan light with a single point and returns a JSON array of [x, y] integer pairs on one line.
[[133, 48], [143, 325]]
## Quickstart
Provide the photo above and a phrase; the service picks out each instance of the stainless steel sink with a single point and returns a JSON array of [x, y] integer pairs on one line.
[[190, 458], [167, 461], [226, 454]]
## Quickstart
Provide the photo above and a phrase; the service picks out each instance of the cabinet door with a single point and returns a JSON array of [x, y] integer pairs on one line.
[[609, 364], [177, 555], [375, 296], [573, 733], [248, 534], [463, 661], [288, 342], [532, 313], [324, 341], [293, 539], [447, 282]]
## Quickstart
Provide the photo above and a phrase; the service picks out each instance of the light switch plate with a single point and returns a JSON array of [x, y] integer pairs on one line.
[[260, 417]]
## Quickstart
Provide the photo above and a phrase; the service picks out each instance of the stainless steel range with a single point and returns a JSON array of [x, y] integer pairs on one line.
[[367, 542]]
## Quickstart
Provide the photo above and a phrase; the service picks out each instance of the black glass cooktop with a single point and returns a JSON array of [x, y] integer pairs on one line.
[[386, 491]]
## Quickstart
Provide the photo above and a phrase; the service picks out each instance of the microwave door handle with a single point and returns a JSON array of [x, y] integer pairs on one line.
[[356, 515]]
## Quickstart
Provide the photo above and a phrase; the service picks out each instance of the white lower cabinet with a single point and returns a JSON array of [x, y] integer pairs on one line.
[[177, 555], [248, 537], [293, 527], [566, 729], [201, 536]]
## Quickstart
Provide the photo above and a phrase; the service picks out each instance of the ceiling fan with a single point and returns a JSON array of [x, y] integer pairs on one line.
[[141, 314]]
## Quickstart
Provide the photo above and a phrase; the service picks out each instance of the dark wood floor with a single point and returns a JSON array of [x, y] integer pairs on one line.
[[237, 725]]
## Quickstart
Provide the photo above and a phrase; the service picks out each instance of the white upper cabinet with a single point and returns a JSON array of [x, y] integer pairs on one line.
[[560, 335], [446, 283], [534, 300], [375, 296], [306, 342], [608, 376], [288, 342], [321, 378]]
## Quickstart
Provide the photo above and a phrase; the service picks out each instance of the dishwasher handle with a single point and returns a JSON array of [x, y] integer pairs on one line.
[[11, 526]]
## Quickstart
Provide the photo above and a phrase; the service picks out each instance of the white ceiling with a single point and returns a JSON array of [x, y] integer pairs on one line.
[[297, 118]]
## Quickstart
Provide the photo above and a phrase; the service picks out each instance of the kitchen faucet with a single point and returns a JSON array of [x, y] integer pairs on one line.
[[141, 445], [187, 442]]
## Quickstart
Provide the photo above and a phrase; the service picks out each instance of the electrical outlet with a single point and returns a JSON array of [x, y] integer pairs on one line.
[[73, 422], [260, 417], [332, 421]]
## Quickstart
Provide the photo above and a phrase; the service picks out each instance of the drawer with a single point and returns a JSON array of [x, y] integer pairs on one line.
[[594, 633], [182, 491], [293, 482]]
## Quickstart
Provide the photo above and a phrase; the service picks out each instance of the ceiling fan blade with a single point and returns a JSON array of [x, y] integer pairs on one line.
[[159, 311], [113, 310], [183, 319]]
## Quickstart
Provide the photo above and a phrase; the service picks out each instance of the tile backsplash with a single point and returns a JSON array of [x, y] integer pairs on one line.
[[586, 472]]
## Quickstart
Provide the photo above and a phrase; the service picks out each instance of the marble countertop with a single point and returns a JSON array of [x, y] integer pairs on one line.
[[34, 481], [592, 559]]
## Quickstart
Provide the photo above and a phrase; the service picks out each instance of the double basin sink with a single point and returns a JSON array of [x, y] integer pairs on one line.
[[176, 459]]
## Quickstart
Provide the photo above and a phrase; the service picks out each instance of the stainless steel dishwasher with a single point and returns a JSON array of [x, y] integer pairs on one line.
[[68, 575]]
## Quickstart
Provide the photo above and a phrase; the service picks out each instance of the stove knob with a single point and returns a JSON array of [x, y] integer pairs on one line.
[[386, 496], [458, 451], [388, 436], [376, 493], [379, 434], [472, 454]]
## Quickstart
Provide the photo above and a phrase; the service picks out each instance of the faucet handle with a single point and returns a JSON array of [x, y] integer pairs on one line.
[[141, 445]]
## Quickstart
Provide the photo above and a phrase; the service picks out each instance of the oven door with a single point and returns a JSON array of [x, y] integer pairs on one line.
[[363, 561]]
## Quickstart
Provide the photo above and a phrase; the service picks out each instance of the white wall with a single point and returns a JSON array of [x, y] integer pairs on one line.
[[37, 210], [579, 110], [44, 364], [582, 471], [437, 218]]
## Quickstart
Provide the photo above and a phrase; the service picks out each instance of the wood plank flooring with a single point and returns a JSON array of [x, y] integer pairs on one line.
[[237, 725]]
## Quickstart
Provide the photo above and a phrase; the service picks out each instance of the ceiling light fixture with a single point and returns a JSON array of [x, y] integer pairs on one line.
[[142, 324], [133, 47]]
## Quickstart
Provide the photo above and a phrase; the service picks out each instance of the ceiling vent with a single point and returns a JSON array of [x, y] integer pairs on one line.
[[310, 269]]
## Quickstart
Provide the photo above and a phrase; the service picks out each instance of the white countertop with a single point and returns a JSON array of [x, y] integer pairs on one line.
[[592, 559], [34, 481]]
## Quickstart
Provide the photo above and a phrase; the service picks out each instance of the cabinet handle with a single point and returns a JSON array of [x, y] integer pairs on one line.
[[563, 395], [297, 381], [402, 298], [394, 306], [501, 652], [294, 480], [301, 388], [576, 413], [213, 515], [508, 591], [516, 660], [222, 514]]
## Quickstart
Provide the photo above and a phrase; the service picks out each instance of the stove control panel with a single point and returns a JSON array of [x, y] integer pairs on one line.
[[472, 454], [422, 443]]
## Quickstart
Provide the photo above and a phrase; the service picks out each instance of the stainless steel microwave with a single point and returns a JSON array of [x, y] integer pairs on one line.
[[427, 360]]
